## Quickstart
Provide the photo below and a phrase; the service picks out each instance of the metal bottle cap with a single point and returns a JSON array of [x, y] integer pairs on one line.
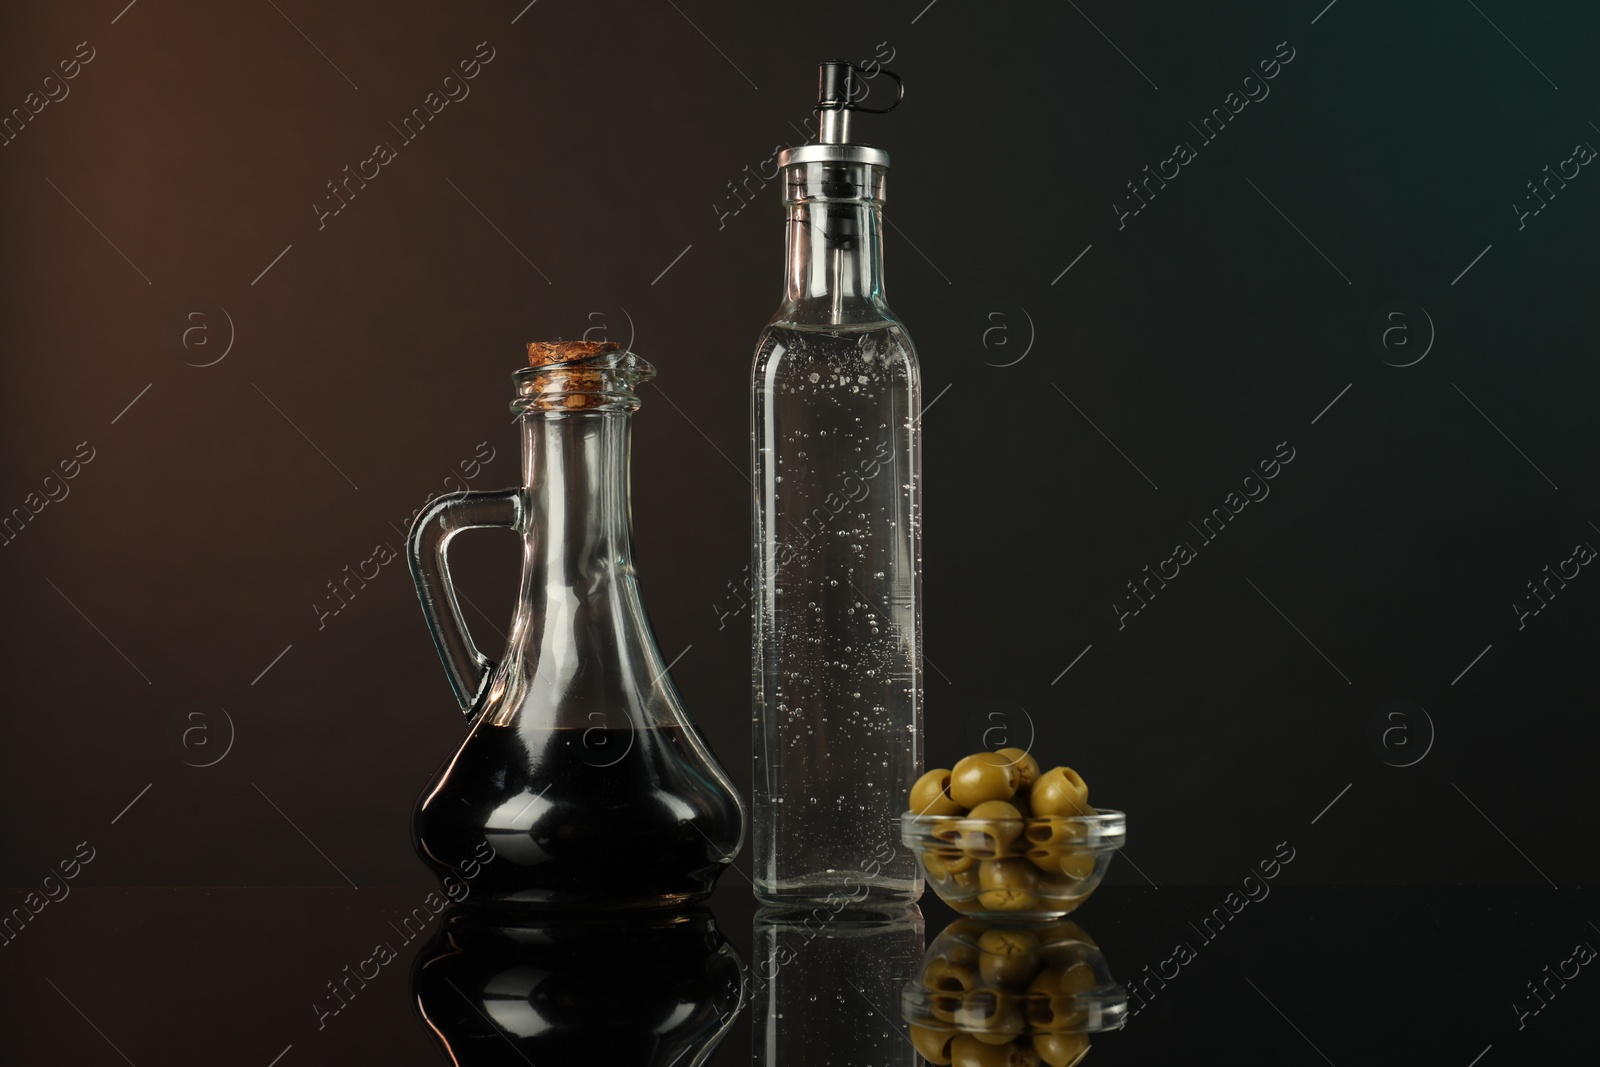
[[839, 84]]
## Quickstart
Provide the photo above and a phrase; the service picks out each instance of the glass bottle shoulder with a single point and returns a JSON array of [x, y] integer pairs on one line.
[[876, 352]]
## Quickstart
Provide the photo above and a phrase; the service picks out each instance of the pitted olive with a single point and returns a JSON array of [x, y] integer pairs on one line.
[[1027, 767], [983, 776], [947, 976], [931, 794], [932, 1045], [1061, 1050], [1059, 791], [1000, 825], [967, 1050], [1054, 830], [1007, 885], [1008, 958]]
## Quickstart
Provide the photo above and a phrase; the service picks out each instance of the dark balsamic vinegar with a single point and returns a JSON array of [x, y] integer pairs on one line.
[[601, 818]]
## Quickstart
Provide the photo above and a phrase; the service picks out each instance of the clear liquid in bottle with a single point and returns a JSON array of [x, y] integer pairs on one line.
[[837, 687]]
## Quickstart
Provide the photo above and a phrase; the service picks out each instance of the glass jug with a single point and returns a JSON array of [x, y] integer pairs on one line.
[[582, 781]]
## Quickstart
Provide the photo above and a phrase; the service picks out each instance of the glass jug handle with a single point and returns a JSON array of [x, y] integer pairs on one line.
[[447, 516]]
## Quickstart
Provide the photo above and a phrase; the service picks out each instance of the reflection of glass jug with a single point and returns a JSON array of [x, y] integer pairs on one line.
[[581, 771], [661, 991]]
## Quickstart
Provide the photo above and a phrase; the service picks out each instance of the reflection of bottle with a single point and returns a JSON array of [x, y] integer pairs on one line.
[[581, 771], [1011, 993], [826, 985], [837, 460], [652, 991]]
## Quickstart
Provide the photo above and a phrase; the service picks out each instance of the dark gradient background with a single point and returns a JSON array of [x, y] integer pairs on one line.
[[586, 180]]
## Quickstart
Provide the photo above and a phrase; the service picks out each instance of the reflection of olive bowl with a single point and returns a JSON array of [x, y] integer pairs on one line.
[[1038, 867], [1041, 987]]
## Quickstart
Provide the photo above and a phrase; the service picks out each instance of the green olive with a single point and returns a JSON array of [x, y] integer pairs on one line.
[[932, 1045], [1027, 767], [1005, 941], [1078, 978], [931, 794], [1046, 858], [1053, 830], [983, 776], [1078, 865], [999, 824], [1060, 1050], [1059, 791], [1005, 1029], [968, 1050], [1008, 958], [948, 984], [960, 888], [1007, 885], [1052, 996], [946, 976], [955, 860], [960, 940], [1064, 870], [1064, 946], [1006, 874], [965, 880], [1065, 935], [992, 1016], [1055, 1012], [945, 1007], [1075, 977], [941, 863]]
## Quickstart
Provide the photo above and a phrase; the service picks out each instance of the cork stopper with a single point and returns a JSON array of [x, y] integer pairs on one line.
[[579, 376], [544, 353]]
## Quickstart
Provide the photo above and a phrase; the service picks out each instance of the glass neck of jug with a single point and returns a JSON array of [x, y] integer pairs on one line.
[[575, 470], [835, 245], [576, 420], [580, 651]]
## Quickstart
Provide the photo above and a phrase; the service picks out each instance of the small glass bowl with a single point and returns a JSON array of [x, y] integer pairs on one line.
[[1039, 988], [1035, 867]]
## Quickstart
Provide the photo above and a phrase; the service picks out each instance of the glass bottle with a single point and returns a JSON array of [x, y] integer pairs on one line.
[[582, 781], [837, 458]]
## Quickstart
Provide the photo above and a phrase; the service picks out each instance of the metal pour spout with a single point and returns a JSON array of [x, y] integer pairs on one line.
[[839, 85]]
